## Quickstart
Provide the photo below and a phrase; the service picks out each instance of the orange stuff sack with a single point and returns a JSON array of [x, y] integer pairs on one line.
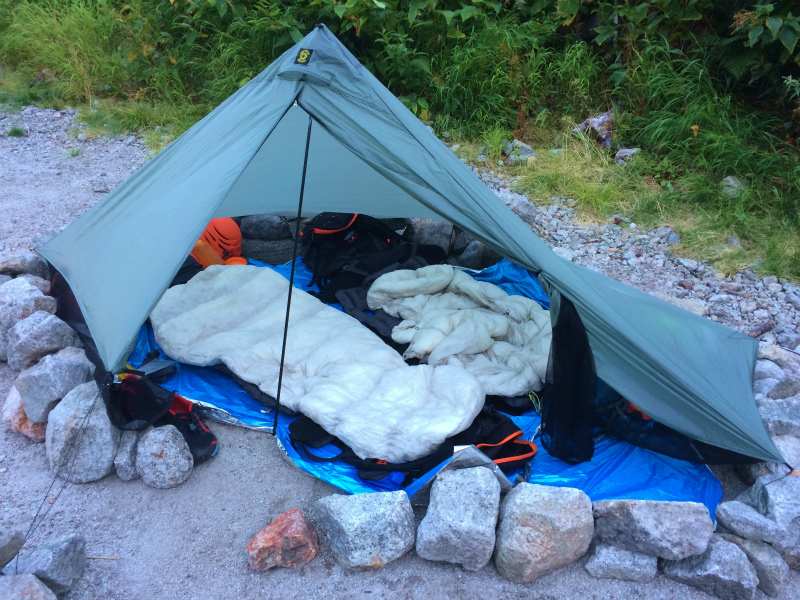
[[224, 236]]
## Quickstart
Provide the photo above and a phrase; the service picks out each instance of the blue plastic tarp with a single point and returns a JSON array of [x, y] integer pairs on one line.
[[617, 470]]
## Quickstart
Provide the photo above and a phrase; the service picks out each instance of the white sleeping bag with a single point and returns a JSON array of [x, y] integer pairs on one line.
[[337, 372], [449, 318]]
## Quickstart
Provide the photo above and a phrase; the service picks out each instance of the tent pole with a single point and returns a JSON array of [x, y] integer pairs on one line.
[[291, 279]]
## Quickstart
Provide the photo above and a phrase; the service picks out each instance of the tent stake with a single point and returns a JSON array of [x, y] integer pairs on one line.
[[291, 279]]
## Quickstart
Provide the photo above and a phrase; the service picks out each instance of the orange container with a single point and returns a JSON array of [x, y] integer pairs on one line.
[[236, 260]]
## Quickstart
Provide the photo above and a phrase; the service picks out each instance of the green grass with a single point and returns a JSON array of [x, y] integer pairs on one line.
[[74, 152], [130, 70], [16, 132]]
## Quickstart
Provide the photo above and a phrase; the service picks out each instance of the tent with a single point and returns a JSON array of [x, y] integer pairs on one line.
[[317, 119]]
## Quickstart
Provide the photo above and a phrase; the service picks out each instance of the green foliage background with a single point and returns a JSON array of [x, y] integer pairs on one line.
[[707, 88]]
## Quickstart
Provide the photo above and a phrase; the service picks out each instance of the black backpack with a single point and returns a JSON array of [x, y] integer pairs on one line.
[[491, 432], [333, 240]]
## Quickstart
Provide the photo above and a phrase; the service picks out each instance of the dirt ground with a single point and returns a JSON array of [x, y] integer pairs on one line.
[[189, 542]]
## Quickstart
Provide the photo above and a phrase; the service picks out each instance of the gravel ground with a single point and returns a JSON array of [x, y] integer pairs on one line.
[[189, 542]]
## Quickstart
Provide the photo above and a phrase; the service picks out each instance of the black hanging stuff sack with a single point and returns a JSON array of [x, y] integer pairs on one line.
[[570, 385]]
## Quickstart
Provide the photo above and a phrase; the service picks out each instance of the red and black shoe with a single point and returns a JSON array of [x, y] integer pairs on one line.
[[183, 415]]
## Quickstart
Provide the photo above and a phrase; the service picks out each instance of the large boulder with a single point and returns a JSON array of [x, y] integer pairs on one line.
[[43, 285], [609, 562], [20, 262], [163, 458], [430, 231], [781, 417], [778, 499], [266, 227], [36, 336], [672, 530], [81, 441], [723, 570], [18, 300], [367, 531], [15, 418], [459, 526], [287, 541], [477, 256], [58, 564], [745, 521], [24, 587], [785, 388], [770, 567], [47, 382], [541, 529], [125, 459], [11, 541], [273, 253]]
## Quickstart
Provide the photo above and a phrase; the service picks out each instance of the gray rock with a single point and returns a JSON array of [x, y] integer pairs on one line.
[[24, 587], [609, 562], [462, 515], [19, 300], [764, 386], [367, 531], [722, 570], [731, 186], [430, 231], [788, 361], [673, 239], [36, 336], [478, 256], [663, 232], [781, 417], [541, 529], [23, 261], [624, 154], [461, 241], [565, 253], [266, 227], [519, 153], [690, 264], [789, 340], [785, 389], [163, 459], [745, 521], [766, 369], [81, 441], [125, 459], [789, 447], [672, 530], [777, 499], [11, 541], [272, 253], [43, 285], [58, 564], [770, 568], [44, 384], [5, 279]]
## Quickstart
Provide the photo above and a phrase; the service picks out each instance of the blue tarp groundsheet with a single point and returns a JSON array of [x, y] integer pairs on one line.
[[617, 470]]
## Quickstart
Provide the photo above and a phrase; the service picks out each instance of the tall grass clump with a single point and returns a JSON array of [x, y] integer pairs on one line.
[[71, 43]]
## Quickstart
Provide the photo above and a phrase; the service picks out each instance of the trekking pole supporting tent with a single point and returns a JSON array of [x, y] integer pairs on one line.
[[291, 278]]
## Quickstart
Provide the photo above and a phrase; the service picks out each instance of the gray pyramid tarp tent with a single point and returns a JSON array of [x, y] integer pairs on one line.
[[369, 154]]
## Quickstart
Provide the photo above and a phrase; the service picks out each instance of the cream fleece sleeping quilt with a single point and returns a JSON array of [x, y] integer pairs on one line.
[[337, 372], [449, 318]]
